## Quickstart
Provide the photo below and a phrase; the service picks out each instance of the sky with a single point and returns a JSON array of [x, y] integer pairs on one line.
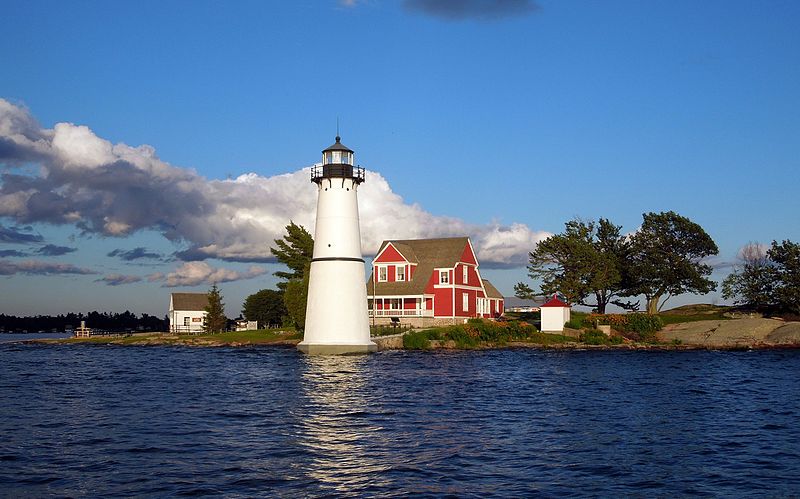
[[151, 147]]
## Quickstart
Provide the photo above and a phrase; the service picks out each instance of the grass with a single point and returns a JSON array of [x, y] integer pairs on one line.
[[695, 312], [670, 318], [478, 334], [258, 337]]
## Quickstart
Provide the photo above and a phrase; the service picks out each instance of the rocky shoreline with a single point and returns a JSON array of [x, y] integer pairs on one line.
[[734, 334]]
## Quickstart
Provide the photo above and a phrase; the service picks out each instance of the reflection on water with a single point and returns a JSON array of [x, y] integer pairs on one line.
[[336, 428]]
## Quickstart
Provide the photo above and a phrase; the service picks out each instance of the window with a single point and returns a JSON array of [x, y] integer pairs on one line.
[[444, 277], [186, 321], [401, 273], [382, 274], [465, 274], [465, 302]]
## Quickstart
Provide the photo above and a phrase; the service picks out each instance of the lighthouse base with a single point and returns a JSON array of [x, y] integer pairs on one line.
[[329, 349]]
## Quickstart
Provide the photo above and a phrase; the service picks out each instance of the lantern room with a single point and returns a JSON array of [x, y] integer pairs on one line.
[[337, 162], [337, 154]]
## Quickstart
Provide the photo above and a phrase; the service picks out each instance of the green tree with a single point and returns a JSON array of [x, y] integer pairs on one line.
[[586, 260], [666, 259], [753, 280], [295, 298], [265, 306], [522, 290], [294, 250], [215, 312], [786, 258]]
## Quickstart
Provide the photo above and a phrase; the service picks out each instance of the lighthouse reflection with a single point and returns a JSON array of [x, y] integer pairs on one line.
[[336, 426]]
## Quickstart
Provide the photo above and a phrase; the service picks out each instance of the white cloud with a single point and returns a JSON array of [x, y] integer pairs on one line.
[[116, 190], [79, 147], [196, 273]]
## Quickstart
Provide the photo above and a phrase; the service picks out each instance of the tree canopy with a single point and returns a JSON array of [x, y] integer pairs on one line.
[[666, 259], [766, 279], [786, 257], [586, 260], [216, 321], [753, 280], [265, 306], [295, 298], [294, 250]]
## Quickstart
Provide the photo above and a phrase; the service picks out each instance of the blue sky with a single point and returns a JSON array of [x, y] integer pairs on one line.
[[498, 120]]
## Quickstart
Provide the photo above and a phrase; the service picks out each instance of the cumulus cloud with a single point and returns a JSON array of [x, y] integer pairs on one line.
[[116, 190], [36, 267], [15, 235], [196, 273], [135, 254], [482, 10], [119, 279], [53, 250]]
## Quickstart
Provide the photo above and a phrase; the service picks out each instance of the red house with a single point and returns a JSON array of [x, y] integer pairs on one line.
[[428, 281]]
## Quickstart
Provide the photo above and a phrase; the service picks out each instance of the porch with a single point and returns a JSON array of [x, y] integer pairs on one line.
[[404, 306]]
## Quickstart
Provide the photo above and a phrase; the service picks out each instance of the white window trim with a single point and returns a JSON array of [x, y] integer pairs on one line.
[[465, 274], [397, 273], [385, 269], [444, 277], [465, 302]]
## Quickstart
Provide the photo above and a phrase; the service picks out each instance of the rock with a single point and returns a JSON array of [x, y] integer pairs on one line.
[[733, 333]]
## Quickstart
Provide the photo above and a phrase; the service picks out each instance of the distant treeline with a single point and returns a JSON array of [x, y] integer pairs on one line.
[[126, 321]]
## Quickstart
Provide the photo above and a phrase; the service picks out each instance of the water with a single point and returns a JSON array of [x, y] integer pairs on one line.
[[9, 337], [78, 420]]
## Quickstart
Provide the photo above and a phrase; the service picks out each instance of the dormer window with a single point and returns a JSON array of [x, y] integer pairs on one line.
[[382, 273], [400, 273], [444, 277]]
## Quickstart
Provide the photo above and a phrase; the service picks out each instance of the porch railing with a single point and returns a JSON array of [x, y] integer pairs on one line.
[[401, 313]]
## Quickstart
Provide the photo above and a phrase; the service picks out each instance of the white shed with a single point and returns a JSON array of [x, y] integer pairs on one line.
[[554, 314], [187, 312]]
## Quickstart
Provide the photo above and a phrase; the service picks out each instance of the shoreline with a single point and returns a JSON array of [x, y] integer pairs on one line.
[[517, 345], [728, 335]]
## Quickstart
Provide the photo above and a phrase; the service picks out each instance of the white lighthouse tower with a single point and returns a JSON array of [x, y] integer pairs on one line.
[[336, 314]]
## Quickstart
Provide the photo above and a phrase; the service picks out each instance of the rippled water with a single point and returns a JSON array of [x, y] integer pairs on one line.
[[134, 421], [9, 337]]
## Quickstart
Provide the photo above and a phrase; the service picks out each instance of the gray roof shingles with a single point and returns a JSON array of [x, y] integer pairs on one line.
[[189, 301]]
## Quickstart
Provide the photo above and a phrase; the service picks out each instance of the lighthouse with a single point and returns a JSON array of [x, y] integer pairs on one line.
[[336, 313]]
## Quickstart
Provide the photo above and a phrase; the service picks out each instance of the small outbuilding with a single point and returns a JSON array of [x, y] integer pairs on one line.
[[554, 314], [245, 325], [187, 312]]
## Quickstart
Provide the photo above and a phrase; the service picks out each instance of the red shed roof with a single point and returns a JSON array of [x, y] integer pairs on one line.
[[555, 302]]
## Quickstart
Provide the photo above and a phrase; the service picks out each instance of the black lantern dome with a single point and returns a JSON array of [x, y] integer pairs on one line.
[[337, 162]]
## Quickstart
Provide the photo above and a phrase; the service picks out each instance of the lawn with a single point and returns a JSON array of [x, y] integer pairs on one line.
[[258, 337], [694, 313]]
